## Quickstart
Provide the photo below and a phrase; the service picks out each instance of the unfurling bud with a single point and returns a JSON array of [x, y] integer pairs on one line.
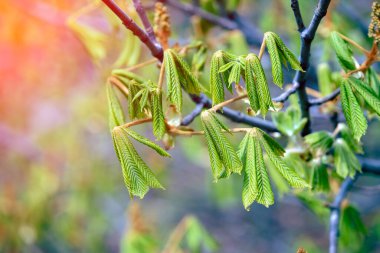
[[168, 141]]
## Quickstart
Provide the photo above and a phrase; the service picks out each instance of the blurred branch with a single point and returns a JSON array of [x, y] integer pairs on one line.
[[370, 165], [194, 10], [234, 22], [144, 19], [320, 101], [335, 212], [284, 96], [307, 36]]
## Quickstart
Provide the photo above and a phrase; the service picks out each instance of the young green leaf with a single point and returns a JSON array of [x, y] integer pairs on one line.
[[223, 157], [320, 178], [288, 173], [256, 184], [138, 177], [343, 52], [145, 141], [159, 127], [218, 80], [115, 111], [257, 86], [234, 74], [188, 81], [275, 59], [325, 82], [367, 93], [286, 53], [373, 80], [197, 236], [352, 228], [134, 107], [320, 141], [352, 111], [290, 121], [347, 135], [345, 161], [173, 82]]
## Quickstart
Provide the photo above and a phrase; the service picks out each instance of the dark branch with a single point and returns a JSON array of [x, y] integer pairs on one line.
[[197, 110], [335, 212], [144, 19], [370, 165], [297, 14], [155, 48], [307, 36], [284, 96], [320, 101], [236, 116]]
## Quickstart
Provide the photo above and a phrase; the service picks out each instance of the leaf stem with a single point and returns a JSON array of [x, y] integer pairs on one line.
[[115, 81], [227, 102], [262, 48], [140, 65], [161, 77], [137, 122]]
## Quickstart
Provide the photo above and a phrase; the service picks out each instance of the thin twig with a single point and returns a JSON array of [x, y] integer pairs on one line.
[[335, 212], [137, 122], [161, 77], [227, 102], [365, 51], [262, 48], [140, 65], [115, 81]]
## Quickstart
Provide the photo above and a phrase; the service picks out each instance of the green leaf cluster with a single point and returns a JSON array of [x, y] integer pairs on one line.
[[219, 80], [178, 76], [224, 159], [279, 55], [138, 177], [289, 122], [343, 52], [256, 183], [352, 90], [343, 148]]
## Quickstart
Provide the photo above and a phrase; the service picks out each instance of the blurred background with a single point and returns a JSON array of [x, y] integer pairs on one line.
[[61, 186]]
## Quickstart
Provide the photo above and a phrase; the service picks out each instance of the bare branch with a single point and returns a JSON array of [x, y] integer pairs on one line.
[[307, 36], [335, 212], [320, 101], [297, 14], [285, 96], [370, 165]]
